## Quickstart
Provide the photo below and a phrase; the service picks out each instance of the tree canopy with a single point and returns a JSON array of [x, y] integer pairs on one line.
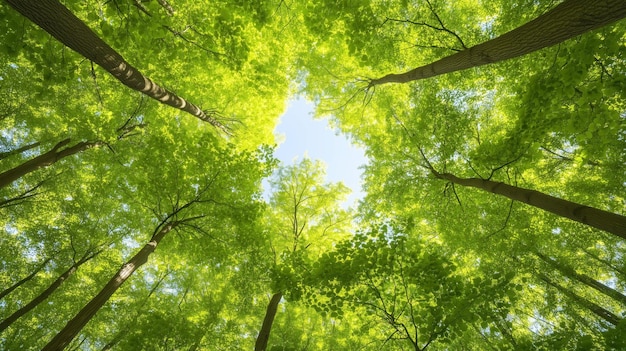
[[494, 213]]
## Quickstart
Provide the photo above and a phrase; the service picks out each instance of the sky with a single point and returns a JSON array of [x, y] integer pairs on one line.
[[299, 135]]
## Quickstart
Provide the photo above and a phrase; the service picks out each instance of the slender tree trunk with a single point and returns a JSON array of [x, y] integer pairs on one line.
[[7, 291], [6, 154], [591, 306], [46, 293], [124, 330], [566, 20], [76, 324], [59, 22], [266, 328], [25, 195], [605, 262], [600, 219], [582, 278], [44, 160]]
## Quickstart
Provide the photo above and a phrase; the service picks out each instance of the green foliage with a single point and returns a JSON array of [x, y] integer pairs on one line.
[[421, 264]]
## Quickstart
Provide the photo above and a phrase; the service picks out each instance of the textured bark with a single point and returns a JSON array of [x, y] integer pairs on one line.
[[585, 279], [591, 306], [59, 22], [76, 324], [46, 159], [46, 293], [565, 21], [8, 290], [600, 219], [266, 328]]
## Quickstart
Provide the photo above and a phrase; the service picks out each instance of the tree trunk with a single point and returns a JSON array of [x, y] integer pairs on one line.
[[76, 324], [24, 196], [128, 325], [600, 219], [44, 160], [46, 293], [566, 20], [8, 290], [582, 278], [591, 306], [605, 262], [59, 22], [266, 328]]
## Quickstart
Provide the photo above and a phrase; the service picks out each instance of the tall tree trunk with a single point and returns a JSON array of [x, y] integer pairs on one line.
[[44, 160], [605, 262], [591, 306], [46, 293], [266, 328], [566, 20], [582, 278], [600, 219], [57, 20], [8, 290], [76, 324]]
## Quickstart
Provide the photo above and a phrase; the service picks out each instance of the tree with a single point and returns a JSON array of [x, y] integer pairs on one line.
[[74, 326], [565, 21], [193, 207], [17, 284], [58, 152], [424, 263], [51, 289], [584, 279], [57, 20], [120, 334], [305, 219], [417, 293], [599, 311], [604, 220]]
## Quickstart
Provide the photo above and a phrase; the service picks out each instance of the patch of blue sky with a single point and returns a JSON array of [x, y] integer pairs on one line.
[[300, 135]]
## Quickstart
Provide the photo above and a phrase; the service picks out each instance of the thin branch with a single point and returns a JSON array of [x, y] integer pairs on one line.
[[95, 82], [443, 27], [21, 198], [506, 221], [19, 150], [168, 8], [179, 34], [141, 7], [504, 165]]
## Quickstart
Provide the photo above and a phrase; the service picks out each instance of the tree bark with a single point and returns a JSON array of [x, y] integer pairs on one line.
[[266, 328], [591, 306], [59, 22], [565, 21], [44, 160], [8, 290], [76, 324], [582, 278], [600, 219], [46, 293]]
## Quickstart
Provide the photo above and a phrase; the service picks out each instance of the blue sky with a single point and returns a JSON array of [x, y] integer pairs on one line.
[[302, 135]]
